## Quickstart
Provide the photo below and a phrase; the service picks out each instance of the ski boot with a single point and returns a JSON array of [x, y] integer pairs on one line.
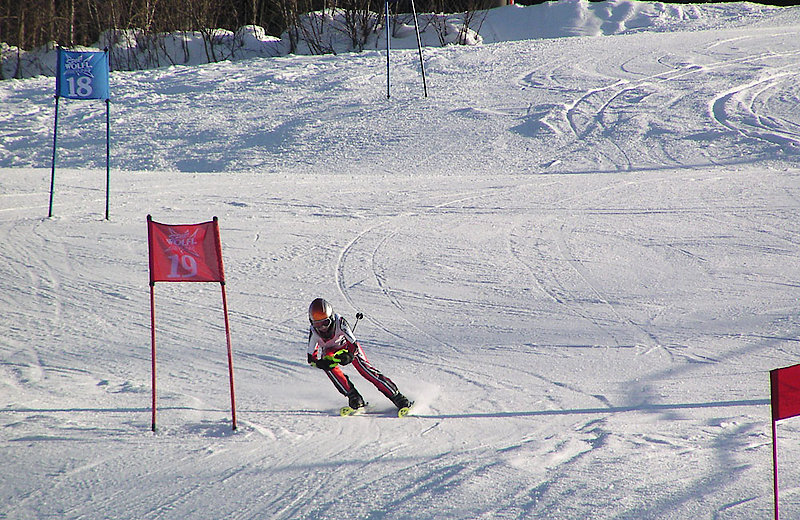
[[401, 401], [355, 400], [356, 404]]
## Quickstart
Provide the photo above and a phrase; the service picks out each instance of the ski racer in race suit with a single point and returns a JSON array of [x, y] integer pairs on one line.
[[331, 344]]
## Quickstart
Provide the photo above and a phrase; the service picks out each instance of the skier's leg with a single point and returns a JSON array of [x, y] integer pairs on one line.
[[340, 380], [345, 387], [385, 385]]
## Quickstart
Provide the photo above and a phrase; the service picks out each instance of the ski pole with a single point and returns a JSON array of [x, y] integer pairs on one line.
[[358, 317]]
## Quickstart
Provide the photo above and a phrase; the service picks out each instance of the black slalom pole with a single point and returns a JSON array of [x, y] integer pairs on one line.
[[419, 46], [388, 46], [358, 317]]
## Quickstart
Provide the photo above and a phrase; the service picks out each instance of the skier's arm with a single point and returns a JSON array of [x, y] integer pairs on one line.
[[346, 342], [313, 349], [347, 332]]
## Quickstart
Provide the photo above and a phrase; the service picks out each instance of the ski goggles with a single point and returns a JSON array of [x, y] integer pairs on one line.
[[322, 324]]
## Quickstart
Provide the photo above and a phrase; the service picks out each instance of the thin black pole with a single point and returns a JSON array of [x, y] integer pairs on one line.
[[53, 164], [388, 46], [419, 46], [108, 154]]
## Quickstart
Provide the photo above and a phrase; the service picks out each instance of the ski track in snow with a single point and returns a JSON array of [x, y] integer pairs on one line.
[[579, 256]]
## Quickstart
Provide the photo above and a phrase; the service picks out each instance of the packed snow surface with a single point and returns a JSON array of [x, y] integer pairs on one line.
[[579, 255]]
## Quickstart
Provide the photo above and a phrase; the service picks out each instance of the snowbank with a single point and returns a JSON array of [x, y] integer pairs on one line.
[[326, 32]]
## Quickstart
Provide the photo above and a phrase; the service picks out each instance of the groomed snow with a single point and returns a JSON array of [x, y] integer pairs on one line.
[[578, 254]]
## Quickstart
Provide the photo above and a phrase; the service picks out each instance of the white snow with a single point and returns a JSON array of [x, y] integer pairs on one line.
[[578, 254]]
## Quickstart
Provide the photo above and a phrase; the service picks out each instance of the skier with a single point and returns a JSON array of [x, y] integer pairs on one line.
[[331, 343]]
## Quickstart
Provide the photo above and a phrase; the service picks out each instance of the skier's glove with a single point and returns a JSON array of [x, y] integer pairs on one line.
[[326, 363], [344, 357]]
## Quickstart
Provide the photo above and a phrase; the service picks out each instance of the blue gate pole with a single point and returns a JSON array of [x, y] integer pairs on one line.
[[108, 154], [53, 164]]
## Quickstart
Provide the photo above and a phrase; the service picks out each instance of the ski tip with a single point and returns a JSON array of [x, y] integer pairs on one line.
[[344, 411]]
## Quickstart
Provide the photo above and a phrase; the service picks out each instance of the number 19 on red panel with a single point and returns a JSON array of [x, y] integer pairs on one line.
[[184, 253], [182, 266]]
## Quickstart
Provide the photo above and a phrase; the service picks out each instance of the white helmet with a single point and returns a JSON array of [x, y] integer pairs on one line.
[[320, 314]]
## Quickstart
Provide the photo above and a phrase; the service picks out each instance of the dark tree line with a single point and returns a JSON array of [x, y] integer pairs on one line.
[[29, 24]]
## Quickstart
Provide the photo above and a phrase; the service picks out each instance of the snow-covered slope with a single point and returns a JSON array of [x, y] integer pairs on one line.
[[579, 255]]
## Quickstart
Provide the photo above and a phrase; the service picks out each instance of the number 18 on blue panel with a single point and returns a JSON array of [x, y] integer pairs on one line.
[[82, 75]]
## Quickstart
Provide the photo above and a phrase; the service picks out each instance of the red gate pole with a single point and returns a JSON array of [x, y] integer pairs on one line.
[[230, 352], [153, 350], [152, 321], [227, 322], [775, 467]]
